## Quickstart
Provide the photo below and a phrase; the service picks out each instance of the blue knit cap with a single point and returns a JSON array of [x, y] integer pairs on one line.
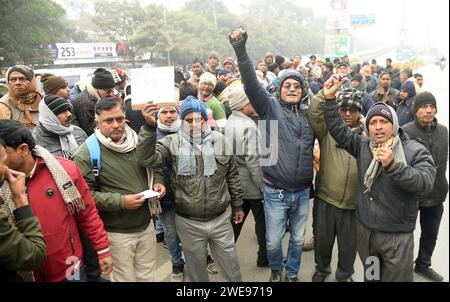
[[191, 104]]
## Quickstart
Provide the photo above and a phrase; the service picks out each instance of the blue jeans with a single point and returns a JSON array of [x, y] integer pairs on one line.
[[279, 206], [159, 228], [167, 219]]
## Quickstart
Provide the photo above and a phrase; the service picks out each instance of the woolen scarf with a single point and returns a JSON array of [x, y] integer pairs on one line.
[[394, 143], [186, 153], [26, 103], [66, 187], [127, 144], [50, 122]]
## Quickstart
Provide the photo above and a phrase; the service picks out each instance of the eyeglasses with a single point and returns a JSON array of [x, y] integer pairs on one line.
[[20, 79], [289, 85], [351, 110], [209, 84], [110, 120]]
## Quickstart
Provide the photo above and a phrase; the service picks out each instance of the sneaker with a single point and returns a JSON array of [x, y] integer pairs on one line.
[[262, 261], [428, 273], [275, 276], [165, 244], [177, 274], [309, 245], [211, 266], [319, 277], [160, 237], [287, 279]]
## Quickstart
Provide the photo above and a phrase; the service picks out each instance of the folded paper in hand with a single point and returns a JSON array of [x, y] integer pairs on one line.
[[150, 194]]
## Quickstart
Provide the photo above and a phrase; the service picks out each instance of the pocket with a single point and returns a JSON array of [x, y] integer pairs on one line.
[[223, 160], [222, 163], [58, 252], [271, 190]]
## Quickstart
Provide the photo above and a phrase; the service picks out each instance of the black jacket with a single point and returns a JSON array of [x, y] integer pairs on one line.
[[84, 112], [435, 138], [391, 206]]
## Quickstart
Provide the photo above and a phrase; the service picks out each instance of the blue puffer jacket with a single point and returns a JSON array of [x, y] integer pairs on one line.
[[291, 155]]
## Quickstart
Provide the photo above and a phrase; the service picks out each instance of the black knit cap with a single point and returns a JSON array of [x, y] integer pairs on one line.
[[422, 99], [57, 104], [102, 79], [380, 109]]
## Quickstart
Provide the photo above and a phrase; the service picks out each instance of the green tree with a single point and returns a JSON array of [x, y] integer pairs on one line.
[[26, 26], [119, 20]]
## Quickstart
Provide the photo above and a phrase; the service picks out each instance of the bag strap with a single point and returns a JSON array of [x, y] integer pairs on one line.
[[93, 147]]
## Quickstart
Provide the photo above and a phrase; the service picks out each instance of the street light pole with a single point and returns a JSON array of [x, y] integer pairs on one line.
[[214, 13], [165, 24]]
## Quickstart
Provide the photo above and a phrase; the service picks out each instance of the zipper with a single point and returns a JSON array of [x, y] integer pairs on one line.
[[72, 244], [346, 179], [41, 268]]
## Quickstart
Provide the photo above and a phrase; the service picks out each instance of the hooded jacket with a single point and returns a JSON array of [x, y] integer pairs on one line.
[[290, 150], [404, 110], [391, 206]]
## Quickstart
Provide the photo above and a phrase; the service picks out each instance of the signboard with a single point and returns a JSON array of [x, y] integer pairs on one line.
[[153, 84], [362, 19], [338, 4], [338, 20], [336, 45], [78, 53]]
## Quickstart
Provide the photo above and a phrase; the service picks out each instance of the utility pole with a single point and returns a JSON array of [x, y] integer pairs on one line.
[[165, 24], [214, 13]]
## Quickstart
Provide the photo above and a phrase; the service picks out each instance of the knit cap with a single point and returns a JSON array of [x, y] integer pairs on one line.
[[191, 104], [57, 104], [52, 83]]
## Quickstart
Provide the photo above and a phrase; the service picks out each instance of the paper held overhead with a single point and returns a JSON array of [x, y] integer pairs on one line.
[[153, 84]]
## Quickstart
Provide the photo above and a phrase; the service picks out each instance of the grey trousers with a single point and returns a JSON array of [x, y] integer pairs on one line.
[[332, 222], [387, 257], [218, 233]]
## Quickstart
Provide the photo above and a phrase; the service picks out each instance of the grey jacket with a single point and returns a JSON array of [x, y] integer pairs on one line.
[[196, 197], [241, 132], [50, 141], [391, 206]]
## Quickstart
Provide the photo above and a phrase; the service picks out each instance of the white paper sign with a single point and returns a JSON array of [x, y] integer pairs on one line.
[[153, 84], [150, 194]]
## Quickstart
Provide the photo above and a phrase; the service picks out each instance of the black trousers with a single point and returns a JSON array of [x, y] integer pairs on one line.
[[331, 222], [257, 208], [90, 258], [386, 257], [430, 220]]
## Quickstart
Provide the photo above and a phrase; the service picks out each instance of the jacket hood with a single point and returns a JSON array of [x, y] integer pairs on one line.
[[409, 87], [293, 74]]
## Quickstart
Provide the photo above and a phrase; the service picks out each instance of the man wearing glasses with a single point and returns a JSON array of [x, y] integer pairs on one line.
[[116, 191], [22, 101], [83, 108], [288, 174]]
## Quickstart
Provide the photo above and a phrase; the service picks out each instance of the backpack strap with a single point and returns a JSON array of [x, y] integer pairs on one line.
[[93, 146]]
